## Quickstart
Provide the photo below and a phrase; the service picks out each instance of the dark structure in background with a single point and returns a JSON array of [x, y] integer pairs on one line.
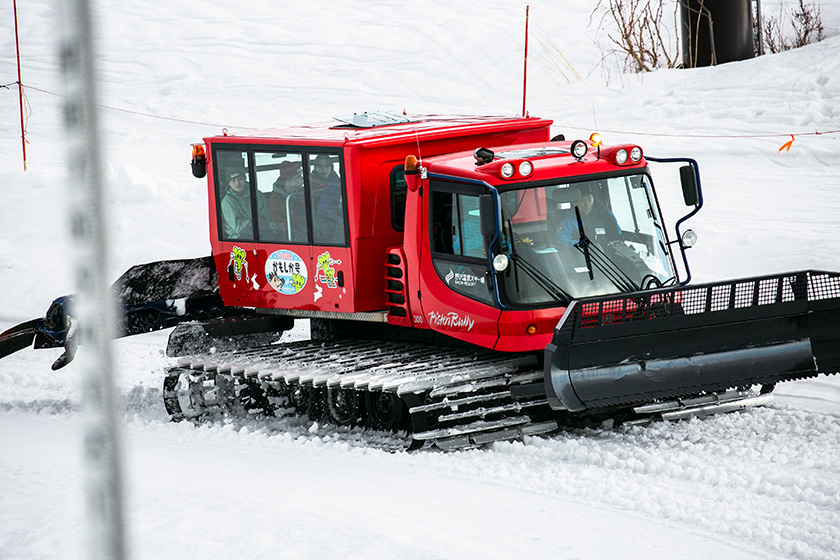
[[715, 31]]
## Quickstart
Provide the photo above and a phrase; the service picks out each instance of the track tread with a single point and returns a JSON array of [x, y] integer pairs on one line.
[[467, 386]]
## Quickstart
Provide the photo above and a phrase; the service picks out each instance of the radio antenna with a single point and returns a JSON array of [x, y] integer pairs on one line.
[[525, 63]]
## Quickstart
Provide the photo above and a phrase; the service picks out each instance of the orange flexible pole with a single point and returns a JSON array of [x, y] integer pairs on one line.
[[20, 89]]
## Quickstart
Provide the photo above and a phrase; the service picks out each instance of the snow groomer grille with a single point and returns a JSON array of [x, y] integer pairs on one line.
[[753, 296]]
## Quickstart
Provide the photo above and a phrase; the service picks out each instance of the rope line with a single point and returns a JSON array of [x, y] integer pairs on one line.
[[138, 113], [665, 135], [629, 133]]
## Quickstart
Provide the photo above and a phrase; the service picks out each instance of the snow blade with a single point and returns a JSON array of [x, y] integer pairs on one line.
[[166, 280], [151, 297], [684, 341], [18, 337]]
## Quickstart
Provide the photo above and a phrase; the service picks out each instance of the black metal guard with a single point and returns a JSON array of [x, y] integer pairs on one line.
[[680, 341]]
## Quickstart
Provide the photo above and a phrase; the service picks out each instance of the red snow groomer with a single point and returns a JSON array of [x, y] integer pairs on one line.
[[468, 279]]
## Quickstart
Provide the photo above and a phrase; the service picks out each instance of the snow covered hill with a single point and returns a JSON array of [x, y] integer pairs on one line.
[[759, 484]]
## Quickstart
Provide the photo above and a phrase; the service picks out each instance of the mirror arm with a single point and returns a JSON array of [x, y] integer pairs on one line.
[[698, 204]]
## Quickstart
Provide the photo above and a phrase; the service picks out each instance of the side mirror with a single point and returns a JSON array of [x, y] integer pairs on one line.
[[688, 178], [487, 209]]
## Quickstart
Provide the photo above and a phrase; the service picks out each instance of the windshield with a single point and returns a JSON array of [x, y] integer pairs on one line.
[[572, 240]]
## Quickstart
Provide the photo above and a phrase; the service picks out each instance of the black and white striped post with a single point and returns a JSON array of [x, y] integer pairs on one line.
[[92, 321]]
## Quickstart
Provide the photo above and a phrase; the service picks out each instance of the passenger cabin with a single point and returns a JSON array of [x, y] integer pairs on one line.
[[301, 217]]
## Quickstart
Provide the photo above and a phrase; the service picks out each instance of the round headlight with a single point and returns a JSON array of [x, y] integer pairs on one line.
[[507, 170], [621, 156], [689, 238], [500, 263], [579, 149], [525, 168], [635, 154]]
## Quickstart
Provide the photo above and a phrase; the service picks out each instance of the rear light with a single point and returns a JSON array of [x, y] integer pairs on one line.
[[199, 161], [413, 173], [411, 166]]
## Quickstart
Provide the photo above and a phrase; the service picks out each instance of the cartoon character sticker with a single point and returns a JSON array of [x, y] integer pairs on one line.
[[286, 272], [325, 273], [238, 261]]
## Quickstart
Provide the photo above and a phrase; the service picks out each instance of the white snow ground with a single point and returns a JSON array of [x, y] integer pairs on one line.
[[758, 484]]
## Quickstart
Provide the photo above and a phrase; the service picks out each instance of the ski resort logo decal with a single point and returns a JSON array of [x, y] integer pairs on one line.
[[452, 320], [286, 272], [463, 279]]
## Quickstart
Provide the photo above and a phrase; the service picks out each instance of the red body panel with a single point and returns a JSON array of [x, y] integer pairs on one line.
[[467, 319], [369, 157], [353, 277]]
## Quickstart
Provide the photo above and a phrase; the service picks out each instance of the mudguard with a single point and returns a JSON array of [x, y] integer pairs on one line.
[[684, 341]]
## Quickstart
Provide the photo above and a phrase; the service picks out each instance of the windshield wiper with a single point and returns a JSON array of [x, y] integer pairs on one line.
[[583, 244], [541, 279], [610, 270]]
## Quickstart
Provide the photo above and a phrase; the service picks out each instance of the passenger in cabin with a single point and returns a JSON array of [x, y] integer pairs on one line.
[[285, 204], [326, 190], [322, 174], [599, 223], [236, 208]]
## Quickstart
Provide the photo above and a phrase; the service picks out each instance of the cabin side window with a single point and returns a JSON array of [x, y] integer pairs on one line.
[[456, 225], [398, 197], [327, 199], [282, 197], [233, 193]]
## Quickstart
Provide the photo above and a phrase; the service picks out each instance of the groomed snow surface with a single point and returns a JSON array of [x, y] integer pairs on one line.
[[763, 483]]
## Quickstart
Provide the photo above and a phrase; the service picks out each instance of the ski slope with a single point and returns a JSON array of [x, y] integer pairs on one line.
[[758, 484]]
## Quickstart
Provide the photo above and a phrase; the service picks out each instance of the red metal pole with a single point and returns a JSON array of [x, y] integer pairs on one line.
[[525, 70], [20, 89]]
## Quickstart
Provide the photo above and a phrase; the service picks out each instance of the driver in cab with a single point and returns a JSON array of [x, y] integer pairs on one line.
[[599, 223]]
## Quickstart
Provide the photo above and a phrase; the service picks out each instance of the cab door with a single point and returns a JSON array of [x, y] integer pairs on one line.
[[330, 257], [234, 248], [282, 228], [302, 248], [456, 286]]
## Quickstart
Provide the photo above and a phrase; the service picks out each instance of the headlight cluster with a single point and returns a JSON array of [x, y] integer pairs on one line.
[[510, 169], [623, 155]]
